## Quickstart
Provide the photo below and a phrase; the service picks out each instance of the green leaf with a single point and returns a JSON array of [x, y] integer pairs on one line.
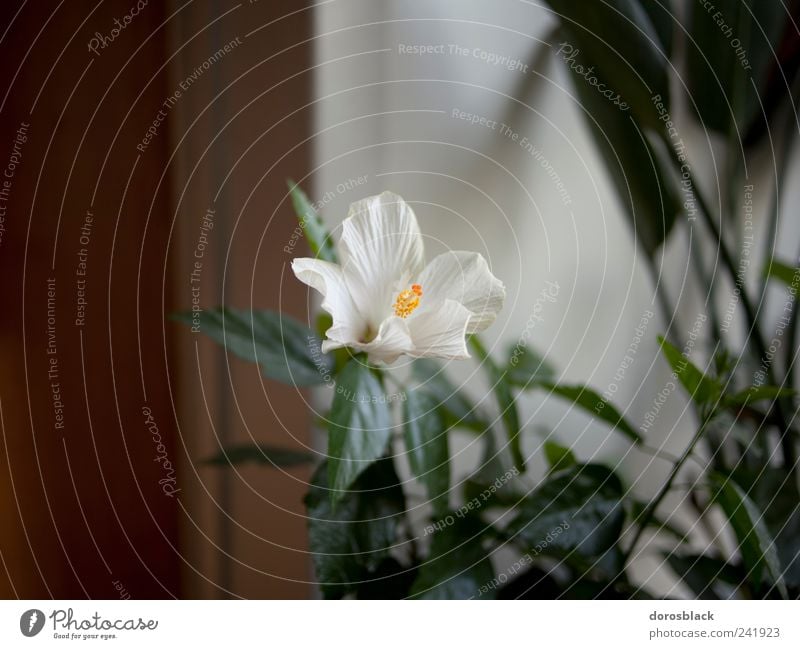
[[426, 444], [758, 393], [458, 409], [709, 578], [558, 457], [359, 426], [661, 16], [505, 401], [391, 580], [775, 492], [780, 271], [723, 92], [594, 404], [286, 350], [260, 454], [319, 240], [349, 545], [458, 567], [525, 367], [701, 388], [578, 510], [618, 38], [759, 553], [644, 189]]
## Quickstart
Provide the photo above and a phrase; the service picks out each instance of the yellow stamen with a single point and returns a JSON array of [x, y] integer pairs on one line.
[[407, 301]]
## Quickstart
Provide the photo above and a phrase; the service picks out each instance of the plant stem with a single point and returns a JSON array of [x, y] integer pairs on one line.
[[506, 402], [647, 515], [754, 333]]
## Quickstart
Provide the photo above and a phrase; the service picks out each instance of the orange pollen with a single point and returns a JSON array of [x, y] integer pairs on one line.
[[407, 301]]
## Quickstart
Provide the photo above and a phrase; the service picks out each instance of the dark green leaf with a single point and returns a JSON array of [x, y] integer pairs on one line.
[[758, 550], [645, 191], [426, 444], [286, 350], [359, 426], [758, 393], [526, 367], [505, 401], [661, 16], [260, 454], [391, 580], [595, 405], [618, 39], [458, 567], [578, 510], [709, 578], [782, 272], [558, 457], [701, 388], [457, 407], [317, 235], [350, 544], [775, 492], [723, 43]]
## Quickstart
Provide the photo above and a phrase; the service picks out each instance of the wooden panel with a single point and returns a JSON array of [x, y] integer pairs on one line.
[[240, 136], [101, 489]]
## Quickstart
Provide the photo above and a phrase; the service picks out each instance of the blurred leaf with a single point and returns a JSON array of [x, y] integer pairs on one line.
[[578, 510], [661, 16], [618, 38], [286, 350], [505, 401], [558, 457], [758, 550], [359, 426], [701, 388], [391, 580], [645, 191], [457, 567], [526, 367], [775, 492], [758, 393], [719, 84], [426, 444], [260, 454], [319, 240], [781, 271], [594, 404], [458, 409], [349, 545], [709, 578]]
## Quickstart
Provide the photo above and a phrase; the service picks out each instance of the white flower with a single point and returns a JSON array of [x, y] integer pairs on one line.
[[384, 300]]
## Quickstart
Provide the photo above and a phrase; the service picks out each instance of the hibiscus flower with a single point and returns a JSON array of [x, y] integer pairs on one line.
[[386, 302]]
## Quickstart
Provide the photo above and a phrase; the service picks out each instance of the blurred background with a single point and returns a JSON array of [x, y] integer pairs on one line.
[[146, 148]]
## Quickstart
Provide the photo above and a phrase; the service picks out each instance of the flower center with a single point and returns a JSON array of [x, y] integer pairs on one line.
[[407, 301]]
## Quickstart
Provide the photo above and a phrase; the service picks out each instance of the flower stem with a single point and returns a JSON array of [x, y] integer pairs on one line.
[[647, 515], [751, 315]]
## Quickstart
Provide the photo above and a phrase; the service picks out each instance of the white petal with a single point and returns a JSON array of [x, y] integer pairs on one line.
[[327, 278], [393, 339], [441, 330], [381, 248], [464, 277]]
